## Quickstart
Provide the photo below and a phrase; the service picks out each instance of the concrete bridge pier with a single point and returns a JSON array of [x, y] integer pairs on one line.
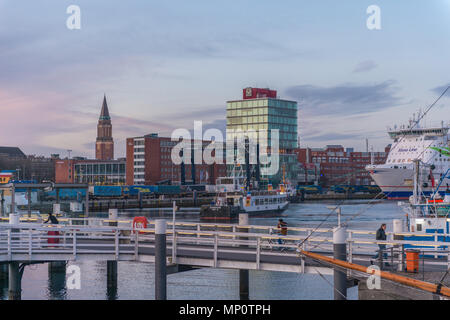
[[340, 253], [160, 260], [111, 280], [15, 280], [57, 266], [57, 279], [244, 290]]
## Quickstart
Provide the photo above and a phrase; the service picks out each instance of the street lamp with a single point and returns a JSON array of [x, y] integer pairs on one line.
[[18, 174]]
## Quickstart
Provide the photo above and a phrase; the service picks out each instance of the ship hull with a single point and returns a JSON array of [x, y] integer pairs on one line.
[[263, 209], [398, 184]]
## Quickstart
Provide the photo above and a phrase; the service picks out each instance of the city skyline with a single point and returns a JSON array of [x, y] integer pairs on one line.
[[350, 82]]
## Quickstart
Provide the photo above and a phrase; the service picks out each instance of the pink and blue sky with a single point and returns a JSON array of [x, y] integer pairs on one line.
[[165, 64]]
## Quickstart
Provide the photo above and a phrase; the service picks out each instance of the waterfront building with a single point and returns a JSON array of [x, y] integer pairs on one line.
[[261, 109], [104, 145], [91, 171], [23, 167], [11, 153], [341, 166], [149, 162]]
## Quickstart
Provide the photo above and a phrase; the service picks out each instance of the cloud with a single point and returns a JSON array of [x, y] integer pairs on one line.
[[345, 99], [365, 66], [440, 90], [332, 136]]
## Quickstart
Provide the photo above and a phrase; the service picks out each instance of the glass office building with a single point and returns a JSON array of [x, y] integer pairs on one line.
[[100, 172], [264, 114]]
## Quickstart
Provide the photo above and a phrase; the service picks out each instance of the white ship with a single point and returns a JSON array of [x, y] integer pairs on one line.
[[254, 201], [430, 145]]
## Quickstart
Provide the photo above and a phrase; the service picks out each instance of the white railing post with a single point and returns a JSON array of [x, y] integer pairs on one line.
[[174, 248], [302, 258], [258, 253], [436, 247], [198, 233], [136, 245], [216, 246], [30, 242], [74, 243], [350, 251], [307, 241], [9, 244], [448, 258], [116, 243]]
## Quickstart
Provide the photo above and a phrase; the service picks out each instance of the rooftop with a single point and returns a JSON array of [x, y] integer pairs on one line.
[[12, 152]]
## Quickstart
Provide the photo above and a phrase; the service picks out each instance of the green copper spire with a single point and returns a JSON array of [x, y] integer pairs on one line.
[[104, 114]]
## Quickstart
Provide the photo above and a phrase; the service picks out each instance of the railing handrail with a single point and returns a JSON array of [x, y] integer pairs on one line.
[[215, 225], [213, 233]]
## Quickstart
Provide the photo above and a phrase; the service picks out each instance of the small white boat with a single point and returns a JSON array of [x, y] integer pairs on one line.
[[428, 216], [232, 199]]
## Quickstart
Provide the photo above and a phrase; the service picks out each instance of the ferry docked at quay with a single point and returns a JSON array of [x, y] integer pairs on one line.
[[232, 199], [429, 145]]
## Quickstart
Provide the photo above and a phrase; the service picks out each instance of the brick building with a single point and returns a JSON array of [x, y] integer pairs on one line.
[[149, 162], [341, 166]]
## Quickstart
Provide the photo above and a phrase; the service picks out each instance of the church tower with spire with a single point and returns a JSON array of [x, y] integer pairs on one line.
[[104, 145]]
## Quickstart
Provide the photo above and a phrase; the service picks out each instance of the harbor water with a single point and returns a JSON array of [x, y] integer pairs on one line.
[[135, 280]]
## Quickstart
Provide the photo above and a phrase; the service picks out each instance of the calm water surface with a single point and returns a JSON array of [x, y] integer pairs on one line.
[[135, 280]]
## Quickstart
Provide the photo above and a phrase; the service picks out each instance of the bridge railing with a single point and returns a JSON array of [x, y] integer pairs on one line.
[[29, 239], [75, 234], [297, 231]]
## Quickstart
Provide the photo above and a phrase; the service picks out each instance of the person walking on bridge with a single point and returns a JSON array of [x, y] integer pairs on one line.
[[381, 235], [53, 235], [282, 227], [52, 219]]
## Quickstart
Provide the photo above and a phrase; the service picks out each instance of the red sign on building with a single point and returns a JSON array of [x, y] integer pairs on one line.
[[255, 93]]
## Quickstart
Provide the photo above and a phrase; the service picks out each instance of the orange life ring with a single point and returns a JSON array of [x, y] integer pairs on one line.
[[139, 223]]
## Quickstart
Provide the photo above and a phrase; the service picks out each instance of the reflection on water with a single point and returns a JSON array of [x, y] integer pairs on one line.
[[56, 281], [111, 292], [135, 280], [111, 282], [3, 281]]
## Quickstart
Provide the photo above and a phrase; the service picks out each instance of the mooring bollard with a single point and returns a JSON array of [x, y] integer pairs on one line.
[[160, 260], [340, 253], [244, 291], [112, 215], [14, 219], [56, 208]]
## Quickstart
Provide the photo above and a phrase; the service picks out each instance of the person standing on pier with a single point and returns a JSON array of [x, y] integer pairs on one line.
[[282, 227], [381, 235], [52, 234], [52, 219]]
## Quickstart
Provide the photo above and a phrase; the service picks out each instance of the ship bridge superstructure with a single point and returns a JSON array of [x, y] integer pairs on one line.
[[430, 145]]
